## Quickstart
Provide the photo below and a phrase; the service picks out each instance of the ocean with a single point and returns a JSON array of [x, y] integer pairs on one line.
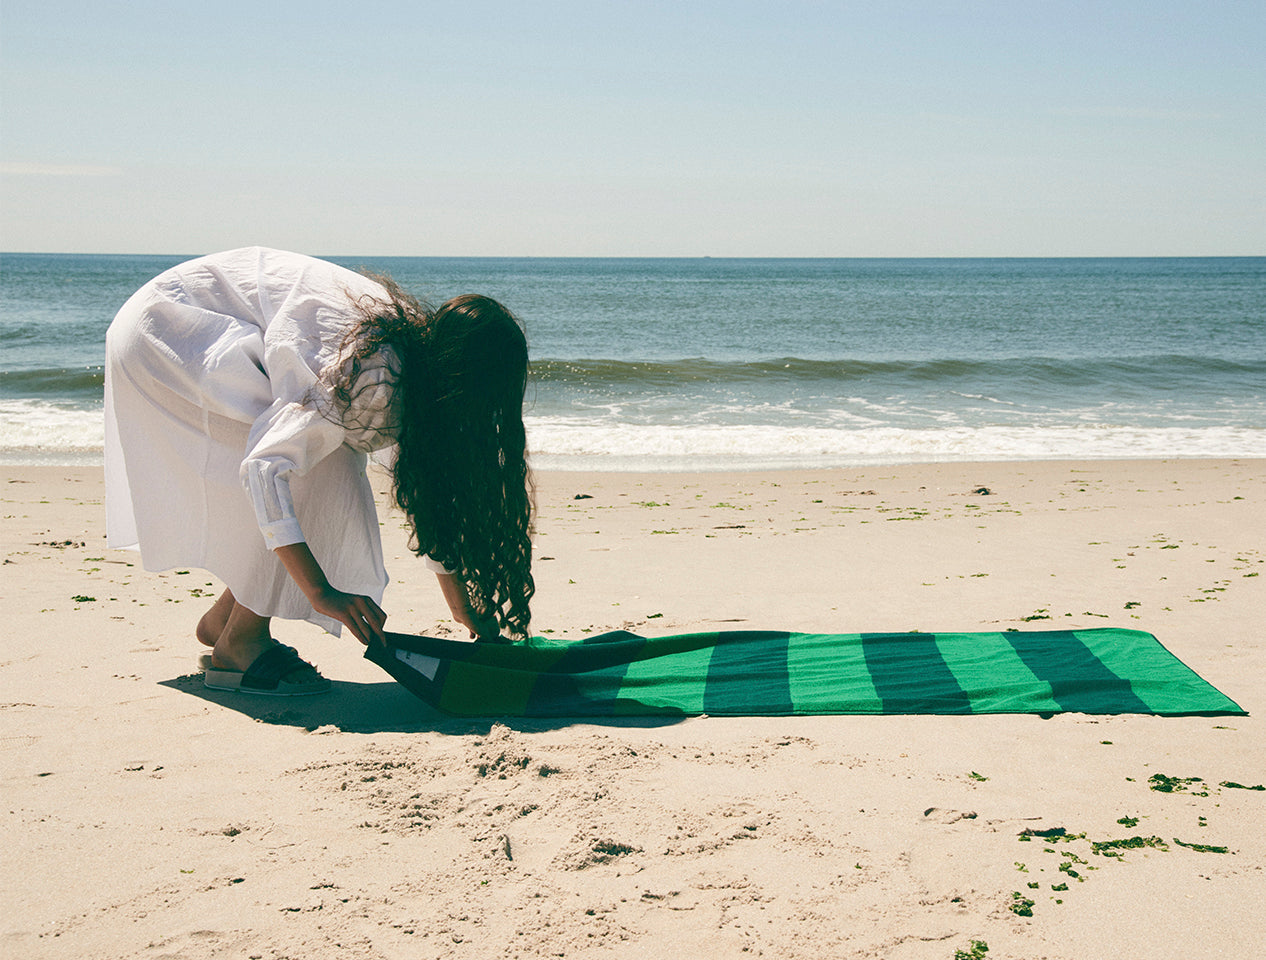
[[706, 364]]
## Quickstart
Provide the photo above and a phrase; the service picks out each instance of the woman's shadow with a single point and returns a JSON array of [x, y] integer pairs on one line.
[[386, 707], [349, 707]]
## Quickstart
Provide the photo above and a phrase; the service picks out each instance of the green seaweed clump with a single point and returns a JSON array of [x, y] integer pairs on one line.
[[1239, 786], [1053, 833], [1201, 847], [1020, 905], [977, 952], [1164, 784], [1129, 821], [1112, 848]]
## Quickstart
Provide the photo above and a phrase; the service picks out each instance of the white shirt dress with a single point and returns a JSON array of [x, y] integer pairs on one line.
[[223, 441]]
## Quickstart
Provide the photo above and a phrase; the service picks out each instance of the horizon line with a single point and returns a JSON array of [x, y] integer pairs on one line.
[[502, 256]]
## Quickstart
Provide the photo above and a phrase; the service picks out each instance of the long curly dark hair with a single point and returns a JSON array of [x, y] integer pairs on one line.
[[460, 472]]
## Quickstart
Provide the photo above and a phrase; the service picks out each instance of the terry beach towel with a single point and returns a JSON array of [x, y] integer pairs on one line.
[[775, 673]]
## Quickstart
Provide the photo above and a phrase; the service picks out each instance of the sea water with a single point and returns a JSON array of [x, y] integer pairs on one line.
[[684, 364]]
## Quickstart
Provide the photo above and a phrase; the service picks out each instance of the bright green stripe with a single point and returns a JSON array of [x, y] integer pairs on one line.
[[828, 674], [992, 674], [1156, 676], [671, 683]]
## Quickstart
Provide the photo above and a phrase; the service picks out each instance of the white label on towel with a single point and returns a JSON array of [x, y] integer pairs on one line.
[[427, 666]]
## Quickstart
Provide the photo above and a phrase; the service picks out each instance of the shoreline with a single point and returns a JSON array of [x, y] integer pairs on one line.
[[149, 817], [91, 460]]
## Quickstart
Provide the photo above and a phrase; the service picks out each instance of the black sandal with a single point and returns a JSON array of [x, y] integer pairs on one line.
[[264, 676]]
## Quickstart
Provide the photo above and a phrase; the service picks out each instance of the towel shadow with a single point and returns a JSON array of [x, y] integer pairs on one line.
[[380, 708]]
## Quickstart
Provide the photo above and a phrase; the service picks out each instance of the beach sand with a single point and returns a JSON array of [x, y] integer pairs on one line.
[[145, 816]]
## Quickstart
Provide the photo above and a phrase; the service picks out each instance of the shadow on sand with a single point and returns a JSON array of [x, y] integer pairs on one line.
[[380, 708]]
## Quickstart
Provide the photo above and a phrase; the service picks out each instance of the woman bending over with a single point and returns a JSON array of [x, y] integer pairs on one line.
[[244, 391]]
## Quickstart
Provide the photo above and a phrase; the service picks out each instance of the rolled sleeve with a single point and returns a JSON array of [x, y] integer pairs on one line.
[[269, 487], [287, 440]]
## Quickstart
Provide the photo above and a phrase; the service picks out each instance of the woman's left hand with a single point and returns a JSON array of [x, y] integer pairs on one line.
[[458, 599], [481, 628]]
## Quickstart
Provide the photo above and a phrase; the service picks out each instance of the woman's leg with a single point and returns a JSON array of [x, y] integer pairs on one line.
[[212, 623], [239, 635], [244, 637]]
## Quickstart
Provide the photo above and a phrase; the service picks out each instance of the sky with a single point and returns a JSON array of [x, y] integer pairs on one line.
[[626, 128]]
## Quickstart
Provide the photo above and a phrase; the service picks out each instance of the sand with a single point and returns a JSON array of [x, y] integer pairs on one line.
[[145, 816]]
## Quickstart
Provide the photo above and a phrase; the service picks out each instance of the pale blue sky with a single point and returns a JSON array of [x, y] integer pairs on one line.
[[634, 128]]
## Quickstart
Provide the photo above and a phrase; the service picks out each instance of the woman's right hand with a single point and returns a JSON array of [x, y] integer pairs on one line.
[[360, 614]]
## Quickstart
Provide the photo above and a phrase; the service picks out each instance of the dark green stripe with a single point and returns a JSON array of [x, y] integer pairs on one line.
[[1080, 683], [478, 690], [586, 679], [747, 674], [911, 676]]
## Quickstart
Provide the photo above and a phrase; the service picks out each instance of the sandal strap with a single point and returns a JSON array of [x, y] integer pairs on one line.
[[270, 666]]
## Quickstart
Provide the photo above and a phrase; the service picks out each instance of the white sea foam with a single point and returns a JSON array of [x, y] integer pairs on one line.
[[38, 432], [573, 446]]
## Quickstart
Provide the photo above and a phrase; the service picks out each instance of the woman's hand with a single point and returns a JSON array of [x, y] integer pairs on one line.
[[481, 628], [458, 599], [358, 613]]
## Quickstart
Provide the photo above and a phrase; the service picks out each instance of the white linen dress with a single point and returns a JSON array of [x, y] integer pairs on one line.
[[223, 440]]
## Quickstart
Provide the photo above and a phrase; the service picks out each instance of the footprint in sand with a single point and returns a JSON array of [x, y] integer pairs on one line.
[[939, 815]]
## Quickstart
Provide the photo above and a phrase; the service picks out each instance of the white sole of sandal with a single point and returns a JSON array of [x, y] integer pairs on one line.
[[217, 678]]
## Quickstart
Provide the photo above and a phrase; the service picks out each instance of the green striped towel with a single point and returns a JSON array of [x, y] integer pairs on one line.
[[772, 673]]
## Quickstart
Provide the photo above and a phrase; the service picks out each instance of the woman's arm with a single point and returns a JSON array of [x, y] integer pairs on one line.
[[358, 613], [455, 594]]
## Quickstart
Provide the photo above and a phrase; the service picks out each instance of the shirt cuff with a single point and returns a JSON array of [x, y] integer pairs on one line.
[[281, 533]]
